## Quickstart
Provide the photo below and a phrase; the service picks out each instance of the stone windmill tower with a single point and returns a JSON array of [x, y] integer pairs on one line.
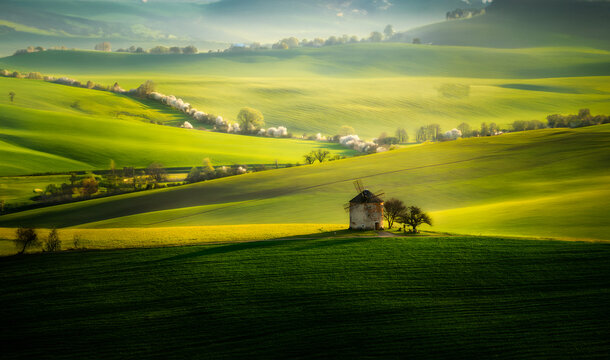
[[365, 210]]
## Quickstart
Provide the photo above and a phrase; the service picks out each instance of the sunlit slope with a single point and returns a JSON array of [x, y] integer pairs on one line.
[[367, 60], [53, 128], [526, 23], [539, 183], [372, 87]]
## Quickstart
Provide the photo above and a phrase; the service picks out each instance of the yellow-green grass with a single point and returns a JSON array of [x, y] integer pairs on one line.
[[122, 238], [55, 128], [372, 87], [545, 183], [20, 189]]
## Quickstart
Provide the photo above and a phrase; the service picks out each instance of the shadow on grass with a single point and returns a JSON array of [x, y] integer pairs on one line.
[[309, 241], [317, 244], [224, 249]]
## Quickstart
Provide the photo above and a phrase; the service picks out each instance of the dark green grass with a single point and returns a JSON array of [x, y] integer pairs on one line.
[[435, 297]]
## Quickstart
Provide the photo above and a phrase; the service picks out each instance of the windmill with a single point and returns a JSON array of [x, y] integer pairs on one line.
[[366, 195]]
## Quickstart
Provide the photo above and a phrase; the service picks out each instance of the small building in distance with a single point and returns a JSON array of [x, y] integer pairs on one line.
[[366, 212]]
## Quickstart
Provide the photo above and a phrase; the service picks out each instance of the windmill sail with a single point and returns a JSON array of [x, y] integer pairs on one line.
[[358, 185]]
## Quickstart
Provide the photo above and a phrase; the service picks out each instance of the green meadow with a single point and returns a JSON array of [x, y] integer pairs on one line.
[[519, 184], [57, 128], [371, 87], [412, 297]]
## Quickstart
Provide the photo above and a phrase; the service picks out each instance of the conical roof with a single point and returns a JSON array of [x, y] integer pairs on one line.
[[366, 197]]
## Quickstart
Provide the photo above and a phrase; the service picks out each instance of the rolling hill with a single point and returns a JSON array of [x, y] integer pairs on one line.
[[356, 298], [549, 183], [372, 87], [524, 23], [207, 24], [57, 128]]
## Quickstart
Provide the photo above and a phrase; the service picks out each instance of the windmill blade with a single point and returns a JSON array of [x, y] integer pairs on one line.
[[379, 193], [358, 185]]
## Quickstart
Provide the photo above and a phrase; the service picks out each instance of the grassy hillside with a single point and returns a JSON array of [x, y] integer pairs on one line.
[[329, 298], [52, 128], [78, 23], [523, 23], [529, 183], [122, 238], [372, 87]]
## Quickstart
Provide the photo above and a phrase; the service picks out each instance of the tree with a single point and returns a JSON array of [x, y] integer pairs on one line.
[[190, 50], [465, 129], [156, 172], [433, 131], [484, 129], [250, 119], [26, 238], [401, 135], [417, 41], [310, 158], [11, 95], [393, 208], [103, 46], [388, 31], [159, 50], [346, 130], [421, 135], [53, 243], [413, 216], [175, 50], [321, 155], [194, 175], [73, 179], [493, 128], [89, 186], [375, 36], [146, 88]]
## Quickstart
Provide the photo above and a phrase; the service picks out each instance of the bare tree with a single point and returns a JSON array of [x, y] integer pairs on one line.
[[393, 208], [53, 243], [156, 172], [309, 158], [26, 238], [103, 46], [321, 155], [414, 217]]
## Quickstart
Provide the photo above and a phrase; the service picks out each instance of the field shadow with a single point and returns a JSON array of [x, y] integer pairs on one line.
[[223, 249], [306, 242], [324, 243]]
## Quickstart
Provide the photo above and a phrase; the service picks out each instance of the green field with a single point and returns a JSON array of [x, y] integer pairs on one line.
[[56, 128], [530, 183], [128, 238], [372, 87], [433, 297]]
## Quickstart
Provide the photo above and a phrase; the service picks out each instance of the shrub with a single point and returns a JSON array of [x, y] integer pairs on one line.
[[53, 242], [26, 238], [76, 241]]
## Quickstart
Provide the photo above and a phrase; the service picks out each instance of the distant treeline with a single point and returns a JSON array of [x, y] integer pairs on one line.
[[388, 35], [433, 132], [188, 50], [33, 49], [464, 13]]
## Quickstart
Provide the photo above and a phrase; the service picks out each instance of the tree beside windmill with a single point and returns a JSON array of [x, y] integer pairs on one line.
[[365, 210]]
